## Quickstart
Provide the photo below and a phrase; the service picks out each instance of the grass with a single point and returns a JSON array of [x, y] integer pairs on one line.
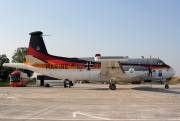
[[4, 83], [32, 83], [175, 80]]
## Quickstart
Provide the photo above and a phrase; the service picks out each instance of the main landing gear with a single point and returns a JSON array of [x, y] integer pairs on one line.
[[111, 85], [67, 83]]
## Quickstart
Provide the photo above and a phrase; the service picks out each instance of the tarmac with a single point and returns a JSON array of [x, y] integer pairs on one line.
[[90, 102]]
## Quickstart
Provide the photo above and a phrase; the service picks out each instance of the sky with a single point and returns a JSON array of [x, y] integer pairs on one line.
[[83, 28]]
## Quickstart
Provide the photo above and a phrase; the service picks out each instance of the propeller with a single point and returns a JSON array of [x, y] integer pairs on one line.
[[150, 68], [150, 72]]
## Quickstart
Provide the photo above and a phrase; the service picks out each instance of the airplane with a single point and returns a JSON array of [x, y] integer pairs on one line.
[[110, 69]]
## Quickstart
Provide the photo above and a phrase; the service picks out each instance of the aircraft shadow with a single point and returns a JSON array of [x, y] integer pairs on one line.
[[100, 89], [141, 88], [144, 88], [151, 89], [106, 89]]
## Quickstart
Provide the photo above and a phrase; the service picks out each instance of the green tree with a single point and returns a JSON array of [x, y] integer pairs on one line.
[[4, 71], [19, 57], [33, 79]]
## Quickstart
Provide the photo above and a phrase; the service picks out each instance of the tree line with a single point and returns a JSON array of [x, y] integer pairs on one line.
[[18, 57]]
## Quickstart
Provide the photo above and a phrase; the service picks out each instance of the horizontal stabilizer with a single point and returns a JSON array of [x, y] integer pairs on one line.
[[16, 65], [32, 60]]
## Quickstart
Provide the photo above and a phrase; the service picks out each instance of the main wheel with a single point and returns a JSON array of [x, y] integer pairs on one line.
[[113, 87], [166, 87], [47, 85], [65, 83], [109, 86], [70, 84]]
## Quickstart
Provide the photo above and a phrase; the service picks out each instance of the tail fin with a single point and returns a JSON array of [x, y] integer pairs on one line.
[[36, 44], [37, 53]]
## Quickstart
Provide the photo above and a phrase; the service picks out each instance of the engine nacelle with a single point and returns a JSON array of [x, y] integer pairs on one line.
[[100, 58]]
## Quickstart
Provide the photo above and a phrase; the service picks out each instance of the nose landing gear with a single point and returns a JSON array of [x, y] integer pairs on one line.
[[166, 86], [161, 82], [167, 82]]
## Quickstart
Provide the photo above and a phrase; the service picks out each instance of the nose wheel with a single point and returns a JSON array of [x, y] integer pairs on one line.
[[166, 86]]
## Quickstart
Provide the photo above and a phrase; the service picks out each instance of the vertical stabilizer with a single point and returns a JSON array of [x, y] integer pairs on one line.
[[36, 45]]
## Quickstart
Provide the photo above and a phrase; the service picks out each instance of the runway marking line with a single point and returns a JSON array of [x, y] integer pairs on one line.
[[15, 98], [88, 115]]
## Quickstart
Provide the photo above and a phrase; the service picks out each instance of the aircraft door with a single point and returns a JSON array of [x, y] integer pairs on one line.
[[160, 73]]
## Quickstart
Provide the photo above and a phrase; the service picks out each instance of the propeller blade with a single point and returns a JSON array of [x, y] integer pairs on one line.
[[150, 72]]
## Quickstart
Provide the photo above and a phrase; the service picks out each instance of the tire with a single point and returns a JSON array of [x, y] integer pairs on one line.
[[70, 84], [47, 85], [65, 83], [113, 87], [109, 86], [166, 87]]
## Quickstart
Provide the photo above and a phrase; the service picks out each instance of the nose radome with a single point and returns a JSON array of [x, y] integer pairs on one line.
[[174, 71]]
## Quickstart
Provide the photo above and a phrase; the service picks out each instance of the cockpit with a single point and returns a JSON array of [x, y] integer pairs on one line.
[[160, 62]]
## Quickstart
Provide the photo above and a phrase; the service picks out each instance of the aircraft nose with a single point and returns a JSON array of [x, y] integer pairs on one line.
[[173, 72]]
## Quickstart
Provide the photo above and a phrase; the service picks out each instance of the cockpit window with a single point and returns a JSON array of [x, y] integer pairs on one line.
[[160, 63]]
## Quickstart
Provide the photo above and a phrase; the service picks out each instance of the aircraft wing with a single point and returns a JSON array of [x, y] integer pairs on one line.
[[111, 65]]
